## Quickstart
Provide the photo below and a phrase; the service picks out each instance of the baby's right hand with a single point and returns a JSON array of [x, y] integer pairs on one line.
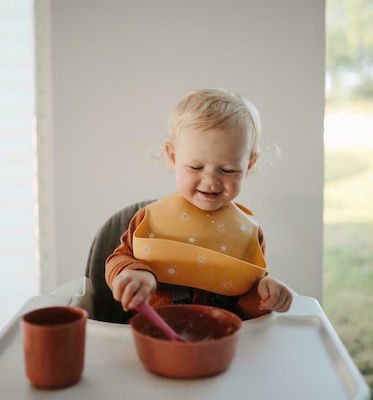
[[132, 287]]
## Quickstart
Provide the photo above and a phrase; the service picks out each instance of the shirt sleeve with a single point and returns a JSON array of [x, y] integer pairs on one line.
[[247, 305], [122, 257]]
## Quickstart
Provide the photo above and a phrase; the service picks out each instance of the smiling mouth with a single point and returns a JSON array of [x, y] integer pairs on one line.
[[209, 195]]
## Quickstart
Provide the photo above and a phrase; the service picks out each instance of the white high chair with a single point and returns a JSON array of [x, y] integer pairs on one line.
[[91, 292], [308, 342]]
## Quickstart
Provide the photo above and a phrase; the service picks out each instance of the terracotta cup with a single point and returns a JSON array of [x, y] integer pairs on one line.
[[54, 342], [211, 333]]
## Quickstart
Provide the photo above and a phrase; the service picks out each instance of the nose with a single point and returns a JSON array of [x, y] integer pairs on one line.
[[211, 180]]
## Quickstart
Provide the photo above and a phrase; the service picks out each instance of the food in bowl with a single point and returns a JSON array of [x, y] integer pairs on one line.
[[212, 335]]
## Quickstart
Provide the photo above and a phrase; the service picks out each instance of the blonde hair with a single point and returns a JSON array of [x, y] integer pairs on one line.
[[216, 109]]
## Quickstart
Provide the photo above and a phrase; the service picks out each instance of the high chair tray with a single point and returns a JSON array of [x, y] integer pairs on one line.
[[296, 355]]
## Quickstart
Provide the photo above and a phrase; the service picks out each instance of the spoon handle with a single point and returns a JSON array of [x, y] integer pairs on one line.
[[149, 312]]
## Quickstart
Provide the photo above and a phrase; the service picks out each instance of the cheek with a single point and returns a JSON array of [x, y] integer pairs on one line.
[[234, 183], [184, 178]]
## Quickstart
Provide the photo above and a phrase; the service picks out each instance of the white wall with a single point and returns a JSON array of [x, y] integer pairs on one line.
[[119, 67]]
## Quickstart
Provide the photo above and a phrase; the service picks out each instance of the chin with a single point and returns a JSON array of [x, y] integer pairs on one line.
[[206, 206]]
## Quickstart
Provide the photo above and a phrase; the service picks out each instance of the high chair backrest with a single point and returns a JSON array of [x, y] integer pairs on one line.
[[105, 308]]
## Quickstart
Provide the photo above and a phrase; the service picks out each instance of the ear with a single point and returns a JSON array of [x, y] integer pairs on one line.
[[252, 162], [170, 151]]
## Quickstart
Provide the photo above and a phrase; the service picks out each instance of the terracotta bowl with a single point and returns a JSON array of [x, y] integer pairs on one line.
[[212, 335]]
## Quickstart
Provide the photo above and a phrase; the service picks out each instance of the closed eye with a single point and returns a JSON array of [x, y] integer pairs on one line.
[[228, 171], [195, 168]]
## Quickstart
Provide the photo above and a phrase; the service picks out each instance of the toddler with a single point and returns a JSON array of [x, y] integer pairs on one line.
[[198, 245]]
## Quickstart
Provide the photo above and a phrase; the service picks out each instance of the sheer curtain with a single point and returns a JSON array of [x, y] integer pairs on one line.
[[18, 238]]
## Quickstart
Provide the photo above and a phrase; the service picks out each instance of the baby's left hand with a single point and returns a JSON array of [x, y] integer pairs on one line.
[[274, 295]]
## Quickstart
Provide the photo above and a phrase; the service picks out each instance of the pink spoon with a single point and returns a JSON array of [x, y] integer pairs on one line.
[[148, 311]]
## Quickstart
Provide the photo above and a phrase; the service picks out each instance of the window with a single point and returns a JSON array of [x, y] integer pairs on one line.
[[18, 238]]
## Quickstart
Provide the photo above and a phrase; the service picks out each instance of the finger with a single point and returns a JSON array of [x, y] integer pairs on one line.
[[119, 285], [281, 304], [141, 295], [128, 294], [288, 304], [263, 289], [268, 304], [282, 298]]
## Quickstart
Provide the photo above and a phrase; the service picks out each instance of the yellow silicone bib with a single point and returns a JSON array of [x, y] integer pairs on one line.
[[217, 251]]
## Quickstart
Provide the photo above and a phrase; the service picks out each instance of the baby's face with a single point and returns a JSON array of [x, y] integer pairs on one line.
[[210, 166]]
